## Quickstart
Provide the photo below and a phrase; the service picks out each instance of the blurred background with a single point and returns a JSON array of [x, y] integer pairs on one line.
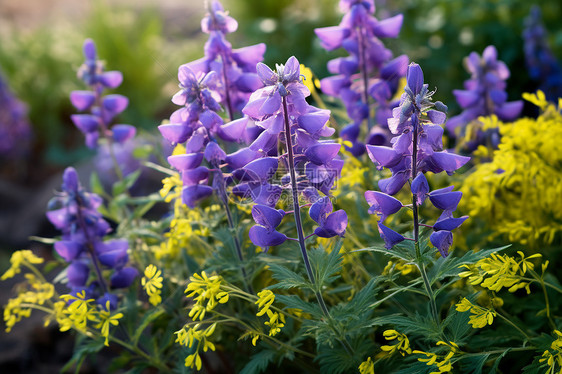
[[41, 50]]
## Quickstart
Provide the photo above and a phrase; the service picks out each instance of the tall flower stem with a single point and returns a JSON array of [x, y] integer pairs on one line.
[[364, 73], [298, 222], [224, 200], [420, 264]]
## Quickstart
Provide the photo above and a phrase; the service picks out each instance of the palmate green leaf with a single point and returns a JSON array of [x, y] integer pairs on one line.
[[288, 279], [416, 325], [472, 364], [457, 325], [325, 265], [404, 251], [258, 362], [85, 347], [295, 302], [494, 368], [147, 320], [120, 187]]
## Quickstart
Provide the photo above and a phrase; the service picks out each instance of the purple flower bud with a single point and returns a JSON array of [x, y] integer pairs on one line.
[[68, 250], [390, 237], [261, 237], [420, 188], [124, 277], [442, 240]]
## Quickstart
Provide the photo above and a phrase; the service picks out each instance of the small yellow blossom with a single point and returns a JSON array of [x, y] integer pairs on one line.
[[152, 283], [402, 346], [276, 322], [479, 317], [79, 311], [266, 298], [188, 335], [367, 367], [24, 257], [443, 363], [309, 80], [106, 319], [207, 292]]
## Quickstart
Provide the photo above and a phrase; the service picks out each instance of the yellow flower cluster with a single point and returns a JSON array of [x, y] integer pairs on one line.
[[207, 293], [188, 335], [554, 355], [152, 283], [76, 311], [276, 320], [479, 317], [353, 174], [499, 271], [402, 346], [37, 293], [24, 257], [311, 82], [518, 192], [444, 364], [367, 367]]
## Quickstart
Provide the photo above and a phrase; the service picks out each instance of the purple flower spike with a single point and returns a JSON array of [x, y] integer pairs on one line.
[[420, 188], [415, 78], [442, 240], [382, 204], [390, 237]]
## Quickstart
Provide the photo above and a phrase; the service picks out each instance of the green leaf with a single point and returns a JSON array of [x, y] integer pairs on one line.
[[295, 302], [142, 152], [473, 364], [95, 184], [121, 187], [86, 347], [258, 362], [325, 265], [287, 278], [147, 320], [494, 368], [404, 251]]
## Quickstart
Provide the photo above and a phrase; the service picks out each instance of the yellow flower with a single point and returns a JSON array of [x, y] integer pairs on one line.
[[187, 336], [79, 312], [24, 257], [106, 319], [479, 317], [443, 363], [207, 292], [553, 357], [402, 346], [309, 80], [266, 298], [367, 367], [152, 283], [276, 322]]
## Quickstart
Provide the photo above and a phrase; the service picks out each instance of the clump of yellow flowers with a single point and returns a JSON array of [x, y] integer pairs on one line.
[[401, 346], [443, 363], [152, 283], [276, 320], [518, 192], [553, 356]]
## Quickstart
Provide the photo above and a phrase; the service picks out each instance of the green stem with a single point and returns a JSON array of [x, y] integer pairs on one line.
[[514, 325]]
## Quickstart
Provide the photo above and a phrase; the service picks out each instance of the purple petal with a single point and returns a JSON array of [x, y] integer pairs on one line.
[[77, 274], [445, 201], [291, 71], [449, 224], [266, 194], [214, 154], [123, 278], [58, 217], [265, 142], [68, 250], [382, 204], [273, 125], [194, 176], [192, 194], [331, 37], [267, 217], [248, 82], [115, 103], [390, 237], [509, 111], [392, 185], [70, 181], [111, 79], [82, 100], [315, 121], [262, 168], [102, 301], [389, 27], [89, 49], [442, 240], [250, 55], [415, 78], [234, 130], [113, 253], [271, 104], [241, 157], [122, 133], [186, 161], [261, 237], [335, 224], [436, 117], [85, 122], [449, 161], [267, 76], [383, 156], [420, 188], [175, 133], [210, 119], [322, 153], [395, 68], [333, 85], [320, 210]]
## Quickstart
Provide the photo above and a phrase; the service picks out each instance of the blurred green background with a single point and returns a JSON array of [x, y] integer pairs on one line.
[[147, 40]]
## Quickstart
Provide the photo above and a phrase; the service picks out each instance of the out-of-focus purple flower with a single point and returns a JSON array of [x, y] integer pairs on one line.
[[416, 149], [15, 130], [368, 72], [541, 62], [102, 109], [484, 93], [75, 213]]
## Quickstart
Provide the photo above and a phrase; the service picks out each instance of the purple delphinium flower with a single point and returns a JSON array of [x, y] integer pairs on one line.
[[543, 66], [484, 93], [15, 130], [103, 109], [368, 72], [74, 212], [235, 68], [416, 149], [309, 166]]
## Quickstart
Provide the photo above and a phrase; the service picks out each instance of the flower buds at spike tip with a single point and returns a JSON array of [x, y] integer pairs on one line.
[[415, 78]]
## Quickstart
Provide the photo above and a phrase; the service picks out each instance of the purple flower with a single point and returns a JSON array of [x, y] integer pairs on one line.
[[82, 245], [416, 149], [484, 93], [102, 109], [368, 72], [15, 130]]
